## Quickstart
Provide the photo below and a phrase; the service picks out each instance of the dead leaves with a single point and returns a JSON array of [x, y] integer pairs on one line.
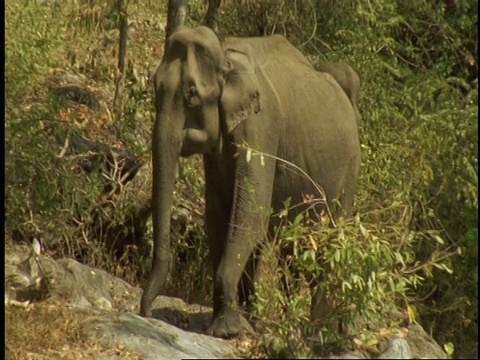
[[81, 116]]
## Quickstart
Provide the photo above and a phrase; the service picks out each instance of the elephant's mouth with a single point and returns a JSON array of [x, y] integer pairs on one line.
[[195, 142]]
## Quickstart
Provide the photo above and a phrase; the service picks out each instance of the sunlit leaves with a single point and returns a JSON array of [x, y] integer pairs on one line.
[[363, 268]]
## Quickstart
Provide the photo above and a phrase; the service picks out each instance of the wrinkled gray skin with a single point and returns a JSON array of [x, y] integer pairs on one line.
[[211, 97], [346, 77]]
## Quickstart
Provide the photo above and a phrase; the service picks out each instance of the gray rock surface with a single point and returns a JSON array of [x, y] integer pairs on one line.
[[422, 345], [351, 355], [154, 339], [398, 349]]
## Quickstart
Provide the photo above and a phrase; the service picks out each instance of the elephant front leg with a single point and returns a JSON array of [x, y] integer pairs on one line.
[[248, 226], [227, 320]]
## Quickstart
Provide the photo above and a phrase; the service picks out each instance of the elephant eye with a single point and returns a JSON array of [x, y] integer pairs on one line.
[[192, 91]]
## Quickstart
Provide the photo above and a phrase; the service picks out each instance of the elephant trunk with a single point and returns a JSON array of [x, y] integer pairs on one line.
[[166, 144]]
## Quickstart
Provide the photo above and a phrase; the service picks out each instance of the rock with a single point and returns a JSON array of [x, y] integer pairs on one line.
[[411, 342], [83, 304], [102, 304], [24, 281], [348, 355], [106, 303], [398, 349], [422, 345], [78, 284], [110, 357], [153, 339]]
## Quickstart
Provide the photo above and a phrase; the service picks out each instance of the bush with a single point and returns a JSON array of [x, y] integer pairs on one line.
[[54, 191]]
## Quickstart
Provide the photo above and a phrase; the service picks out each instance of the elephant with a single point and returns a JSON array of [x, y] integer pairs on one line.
[[346, 77], [222, 99]]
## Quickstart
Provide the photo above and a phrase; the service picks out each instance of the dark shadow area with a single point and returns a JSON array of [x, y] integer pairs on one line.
[[192, 322], [195, 321]]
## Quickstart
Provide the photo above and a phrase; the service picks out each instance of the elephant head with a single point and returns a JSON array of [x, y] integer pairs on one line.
[[202, 92]]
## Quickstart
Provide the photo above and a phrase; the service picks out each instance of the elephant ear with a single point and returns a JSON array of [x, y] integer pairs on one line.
[[240, 96]]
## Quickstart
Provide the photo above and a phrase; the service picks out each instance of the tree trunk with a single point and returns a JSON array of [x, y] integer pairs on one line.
[[211, 17], [122, 52], [176, 16]]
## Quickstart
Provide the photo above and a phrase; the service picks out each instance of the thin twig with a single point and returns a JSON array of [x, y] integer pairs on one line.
[[65, 146], [314, 27], [302, 172]]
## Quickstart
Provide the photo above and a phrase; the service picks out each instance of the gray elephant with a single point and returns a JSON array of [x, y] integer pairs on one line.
[[220, 99], [346, 77]]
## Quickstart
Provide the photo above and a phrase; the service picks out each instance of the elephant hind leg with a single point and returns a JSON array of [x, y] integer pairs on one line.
[[322, 308], [246, 285]]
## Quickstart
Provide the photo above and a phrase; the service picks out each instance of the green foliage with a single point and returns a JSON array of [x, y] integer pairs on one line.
[[53, 191], [31, 51], [41, 200], [367, 273]]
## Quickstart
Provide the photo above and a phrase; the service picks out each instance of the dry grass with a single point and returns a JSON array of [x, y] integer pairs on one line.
[[50, 331]]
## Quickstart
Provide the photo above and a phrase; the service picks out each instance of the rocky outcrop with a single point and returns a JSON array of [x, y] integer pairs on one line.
[[109, 308]]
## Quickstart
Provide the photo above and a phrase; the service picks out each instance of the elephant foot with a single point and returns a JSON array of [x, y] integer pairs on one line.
[[146, 312], [227, 324], [145, 308]]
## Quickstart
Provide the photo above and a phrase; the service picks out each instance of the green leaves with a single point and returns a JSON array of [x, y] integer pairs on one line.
[[363, 269]]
